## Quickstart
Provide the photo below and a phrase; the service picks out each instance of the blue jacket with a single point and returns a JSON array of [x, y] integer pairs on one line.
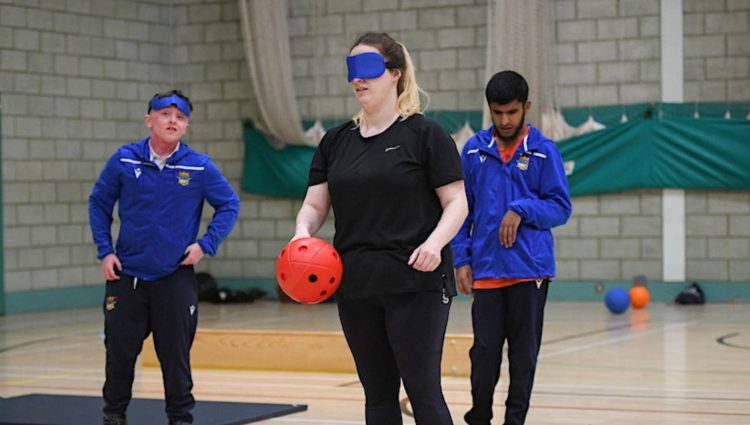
[[160, 210], [533, 184]]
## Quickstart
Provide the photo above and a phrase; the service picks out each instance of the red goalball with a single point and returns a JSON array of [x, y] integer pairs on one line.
[[309, 270]]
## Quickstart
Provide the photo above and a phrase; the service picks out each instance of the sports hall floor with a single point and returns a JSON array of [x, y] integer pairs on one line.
[[661, 365]]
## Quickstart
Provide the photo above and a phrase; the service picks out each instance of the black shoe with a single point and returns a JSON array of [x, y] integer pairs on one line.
[[114, 419]]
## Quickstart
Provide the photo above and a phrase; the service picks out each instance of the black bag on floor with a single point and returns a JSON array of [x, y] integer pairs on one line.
[[227, 295], [692, 294], [209, 290], [207, 286]]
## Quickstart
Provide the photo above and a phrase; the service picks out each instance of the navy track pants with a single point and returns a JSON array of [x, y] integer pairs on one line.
[[166, 308]]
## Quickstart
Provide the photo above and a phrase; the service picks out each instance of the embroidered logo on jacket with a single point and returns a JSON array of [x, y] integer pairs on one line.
[[183, 178], [137, 172], [110, 302], [523, 162]]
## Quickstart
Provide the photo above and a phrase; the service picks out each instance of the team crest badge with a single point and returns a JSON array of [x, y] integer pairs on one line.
[[523, 162], [110, 302], [183, 178]]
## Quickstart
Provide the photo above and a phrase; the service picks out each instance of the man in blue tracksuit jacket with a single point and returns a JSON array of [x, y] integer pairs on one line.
[[504, 253], [160, 185]]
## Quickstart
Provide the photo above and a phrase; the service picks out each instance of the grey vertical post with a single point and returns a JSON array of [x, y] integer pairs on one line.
[[672, 84]]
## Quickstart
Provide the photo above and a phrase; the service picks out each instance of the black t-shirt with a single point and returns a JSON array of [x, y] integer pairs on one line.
[[384, 202]]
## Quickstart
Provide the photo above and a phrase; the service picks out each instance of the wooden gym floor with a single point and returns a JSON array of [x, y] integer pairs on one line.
[[661, 365]]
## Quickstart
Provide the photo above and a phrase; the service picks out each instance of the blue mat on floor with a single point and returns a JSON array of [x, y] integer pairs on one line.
[[47, 409]]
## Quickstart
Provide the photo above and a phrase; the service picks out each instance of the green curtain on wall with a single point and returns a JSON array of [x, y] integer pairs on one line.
[[685, 146], [660, 146], [283, 172], [274, 172]]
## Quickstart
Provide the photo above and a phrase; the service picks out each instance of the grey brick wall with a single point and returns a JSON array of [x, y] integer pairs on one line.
[[446, 43], [717, 51], [74, 77], [72, 91], [209, 64], [608, 53], [611, 237], [718, 230], [74, 80]]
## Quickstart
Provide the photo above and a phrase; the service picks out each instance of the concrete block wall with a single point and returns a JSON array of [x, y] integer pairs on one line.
[[615, 236], [210, 65], [74, 77], [446, 41], [608, 53], [718, 235], [717, 50]]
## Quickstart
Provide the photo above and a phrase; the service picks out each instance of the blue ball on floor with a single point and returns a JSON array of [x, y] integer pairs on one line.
[[617, 300]]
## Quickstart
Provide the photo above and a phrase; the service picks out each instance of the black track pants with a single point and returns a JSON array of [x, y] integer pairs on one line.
[[133, 309]]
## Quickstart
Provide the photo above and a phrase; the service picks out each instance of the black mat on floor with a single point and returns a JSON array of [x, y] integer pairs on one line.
[[47, 409]]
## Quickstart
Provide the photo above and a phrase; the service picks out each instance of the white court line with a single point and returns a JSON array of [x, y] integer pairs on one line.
[[613, 340], [323, 421], [44, 349], [48, 369], [281, 375], [156, 379], [650, 397], [659, 389], [49, 322], [316, 421], [204, 375]]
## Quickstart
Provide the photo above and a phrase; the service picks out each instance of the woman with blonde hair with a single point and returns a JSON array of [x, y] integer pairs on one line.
[[395, 182]]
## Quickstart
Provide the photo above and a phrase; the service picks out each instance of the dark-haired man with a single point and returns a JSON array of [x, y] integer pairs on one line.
[[504, 253]]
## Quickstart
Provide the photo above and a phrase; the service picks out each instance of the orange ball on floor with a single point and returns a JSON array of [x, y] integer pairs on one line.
[[639, 296]]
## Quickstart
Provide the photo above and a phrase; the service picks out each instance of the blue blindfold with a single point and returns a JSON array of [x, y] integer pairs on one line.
[[366, 65], [167, 101]]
